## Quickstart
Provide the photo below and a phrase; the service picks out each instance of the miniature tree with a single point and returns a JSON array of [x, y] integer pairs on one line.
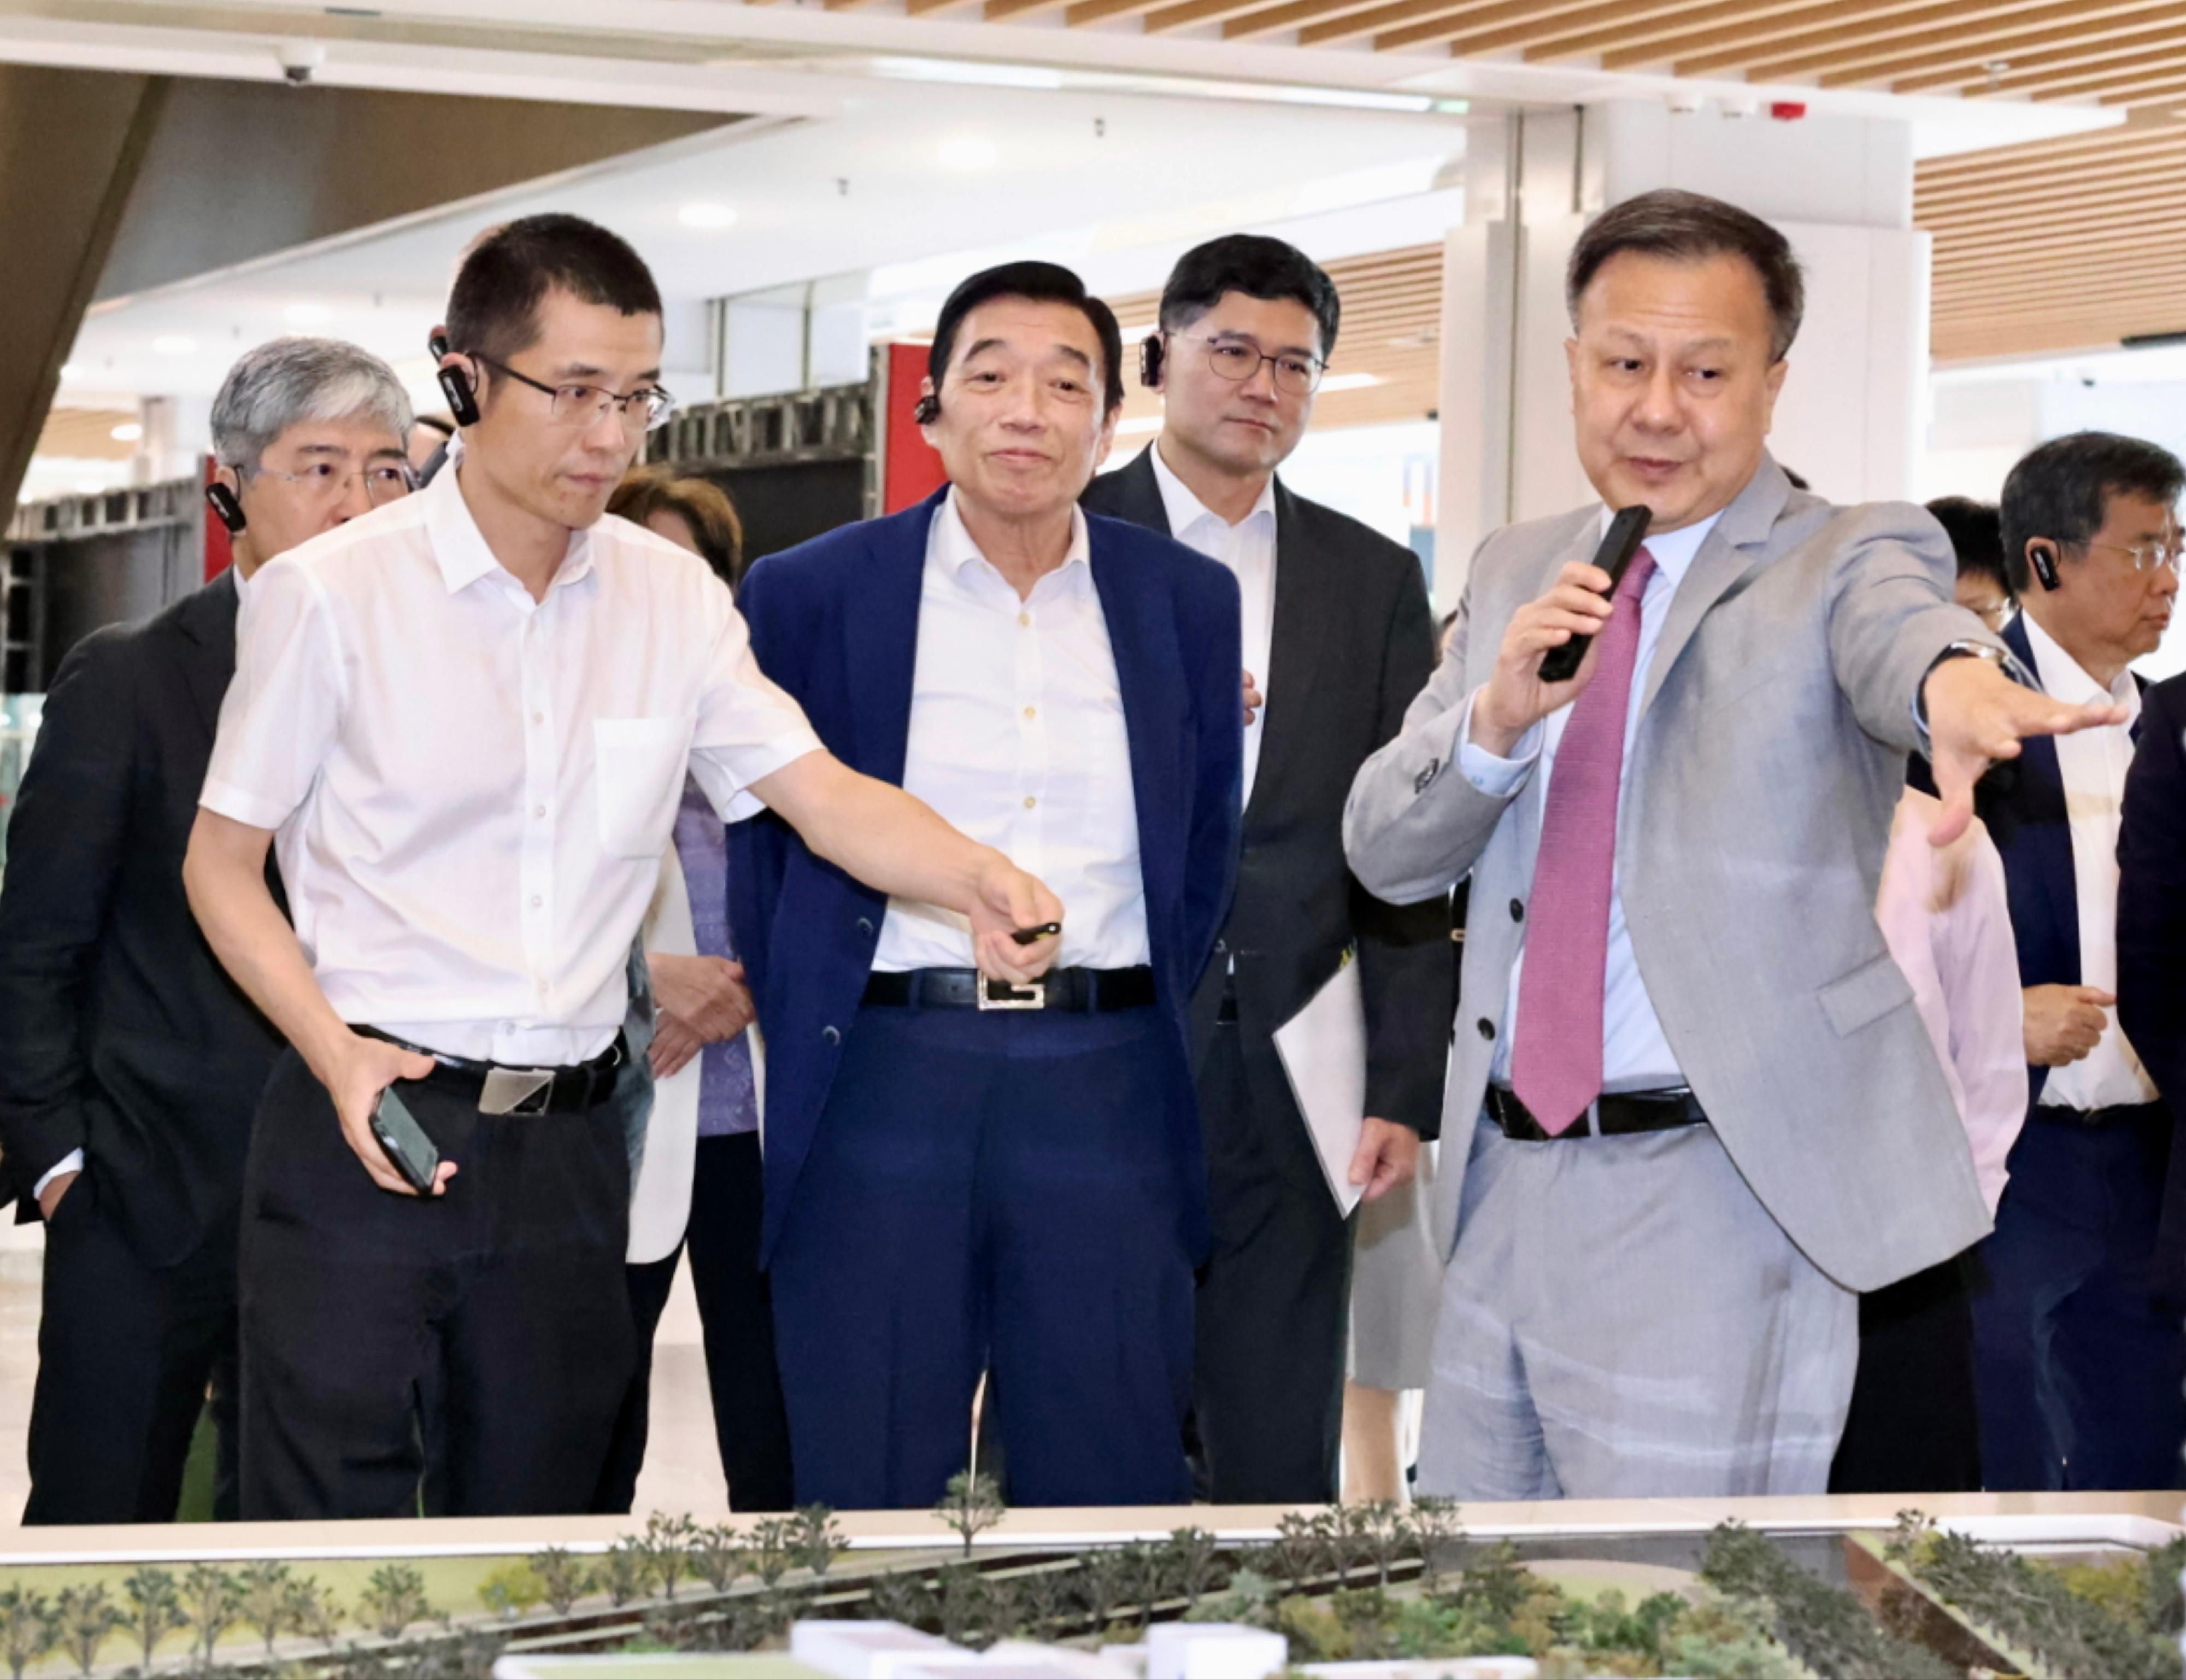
[[1195, 1560], [27, 1628], [963, 1604], [624, 1570], [667, 1548], [971, 1505], [511, 1590], [717, 1556], [819, 1541], [773, 1549], [1103, 1582], [561, 1577], [1046, 1597], [266, 1600], [1145, 1572], [211, 1599], [87, 1618], [1297, 1549], [155, 1608], [314, 1611], [392, 1599], [1383, 1532], [901, 1595], [1435, 1526]]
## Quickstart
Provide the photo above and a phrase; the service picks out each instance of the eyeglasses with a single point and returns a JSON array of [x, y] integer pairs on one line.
[[324, 481], [583, 405], [1237, 362], [2151, 556]]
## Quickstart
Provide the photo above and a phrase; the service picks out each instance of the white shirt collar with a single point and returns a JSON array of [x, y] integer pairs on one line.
[[1674, 551], [2064, 678], [460, 548], [1185, 510], [950, 548]]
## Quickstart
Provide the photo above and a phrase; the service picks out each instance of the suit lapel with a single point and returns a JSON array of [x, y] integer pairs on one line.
[[880, 632], [1305, 583], [1137, 494], [207, 621], [2047, 818], [1147, 676], [1729, 553]]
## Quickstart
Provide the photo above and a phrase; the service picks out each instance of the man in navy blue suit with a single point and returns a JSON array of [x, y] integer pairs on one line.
[[2151, 929], [967, 1177], [2079, 1353]]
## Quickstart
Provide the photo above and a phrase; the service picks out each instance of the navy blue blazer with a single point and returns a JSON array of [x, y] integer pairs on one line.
[[835, 621], [2152, 894]]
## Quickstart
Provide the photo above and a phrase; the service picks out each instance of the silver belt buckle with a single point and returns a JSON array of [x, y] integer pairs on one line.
[[1033, 996], [517, 1090]]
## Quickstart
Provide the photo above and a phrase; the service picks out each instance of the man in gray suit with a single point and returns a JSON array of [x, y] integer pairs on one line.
[[1702, 1109]]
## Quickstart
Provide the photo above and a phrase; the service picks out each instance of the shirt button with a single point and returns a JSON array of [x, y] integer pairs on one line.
[[1030, 802], [539, 810], [828, 1035], [538, 717], [1024, 620], [1518, 910], [1032, 711], [536, 901], [1487, 1027]]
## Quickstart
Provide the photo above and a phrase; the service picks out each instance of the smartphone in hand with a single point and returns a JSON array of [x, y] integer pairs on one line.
[[416, 1156], [1626, 531]]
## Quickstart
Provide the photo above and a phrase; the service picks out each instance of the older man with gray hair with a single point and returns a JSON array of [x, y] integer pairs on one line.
[[130, 1064]]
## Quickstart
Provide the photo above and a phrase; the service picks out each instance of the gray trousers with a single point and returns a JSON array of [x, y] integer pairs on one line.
[[1621, 1318]]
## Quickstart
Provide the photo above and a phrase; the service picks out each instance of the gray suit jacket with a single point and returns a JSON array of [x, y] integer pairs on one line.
[[1770, 753]]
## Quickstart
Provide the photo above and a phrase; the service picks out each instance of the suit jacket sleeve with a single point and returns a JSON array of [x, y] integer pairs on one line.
[[1217, 815], [2151, 937], [1891, 614], [1404, 970], [65, 847], [1414, 826], [759, 845]]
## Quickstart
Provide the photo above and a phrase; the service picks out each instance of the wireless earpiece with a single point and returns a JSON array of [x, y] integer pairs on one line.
[[455, 386], [1150, 361], [226, 507], [927, 410], [2043, 557]]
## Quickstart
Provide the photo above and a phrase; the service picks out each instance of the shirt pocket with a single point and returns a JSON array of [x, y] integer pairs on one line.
[[638, 768]]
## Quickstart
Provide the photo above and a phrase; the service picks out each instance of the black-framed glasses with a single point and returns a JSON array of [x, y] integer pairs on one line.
[[2150, 557], [1237, 362], [583, 405], [324, 481]]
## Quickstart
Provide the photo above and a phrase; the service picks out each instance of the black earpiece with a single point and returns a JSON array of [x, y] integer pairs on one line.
[[1150, 361], [2043, 557], [436, 343], [455, 386], [927, 410], [226, 507]]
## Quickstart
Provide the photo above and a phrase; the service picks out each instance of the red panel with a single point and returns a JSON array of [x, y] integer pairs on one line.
[[218, 556], [912, 471]]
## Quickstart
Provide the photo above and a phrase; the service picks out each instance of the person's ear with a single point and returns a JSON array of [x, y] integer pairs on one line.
[[927, 409]]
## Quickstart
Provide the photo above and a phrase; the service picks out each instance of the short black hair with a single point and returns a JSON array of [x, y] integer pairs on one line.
[[493, 309], [1976, 534], [2062, 490], [1035, 282], [1259, 267], [1687, 228]]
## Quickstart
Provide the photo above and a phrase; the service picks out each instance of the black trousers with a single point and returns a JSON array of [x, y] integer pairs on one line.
[[737, 1318], [126, 1354], [493, 1321], [1913, 1427], [1273, 1301]]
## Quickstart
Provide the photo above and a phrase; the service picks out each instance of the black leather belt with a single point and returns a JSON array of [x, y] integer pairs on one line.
[[1619, 1115], [2123, 1114], [1086, 990], [520, 1090]]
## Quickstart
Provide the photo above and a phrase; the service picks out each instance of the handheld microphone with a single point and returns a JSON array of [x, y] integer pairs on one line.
[[1622, 542]]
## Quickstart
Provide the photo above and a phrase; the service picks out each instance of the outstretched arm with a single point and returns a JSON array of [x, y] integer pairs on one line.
[[1977, 715]]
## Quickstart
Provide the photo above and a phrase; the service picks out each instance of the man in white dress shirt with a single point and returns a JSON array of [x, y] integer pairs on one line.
[[467, 720], [2076, 1315], [1337, 638], [963, 1179]]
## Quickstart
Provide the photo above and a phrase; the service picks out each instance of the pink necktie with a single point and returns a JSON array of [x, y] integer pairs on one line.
[[1555, 1062]]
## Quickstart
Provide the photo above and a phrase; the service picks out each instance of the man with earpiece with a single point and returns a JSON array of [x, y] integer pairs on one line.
[[2078, 1303], [130, 1065]]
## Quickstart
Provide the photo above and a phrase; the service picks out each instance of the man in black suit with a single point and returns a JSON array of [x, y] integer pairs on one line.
[[130, 1063], [2151, 932], [1339, 638]]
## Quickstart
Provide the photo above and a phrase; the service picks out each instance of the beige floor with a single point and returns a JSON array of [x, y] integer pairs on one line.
[[682, 1468]]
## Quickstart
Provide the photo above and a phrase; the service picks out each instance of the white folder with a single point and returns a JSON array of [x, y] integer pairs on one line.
[[1323, 1050]]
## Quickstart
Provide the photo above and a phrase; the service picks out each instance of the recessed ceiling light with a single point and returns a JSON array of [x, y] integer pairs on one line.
[[1349, 382], [707, 218], [128, 432], [173, 343], [307, 315], [968, 151]]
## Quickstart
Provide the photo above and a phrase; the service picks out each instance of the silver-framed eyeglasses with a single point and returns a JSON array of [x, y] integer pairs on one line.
[[2149, 556], [1236, 360], [324, 481], [583, 405]]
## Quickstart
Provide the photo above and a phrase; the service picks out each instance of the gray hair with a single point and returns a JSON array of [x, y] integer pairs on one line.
[[289, 381], [1688, 227]]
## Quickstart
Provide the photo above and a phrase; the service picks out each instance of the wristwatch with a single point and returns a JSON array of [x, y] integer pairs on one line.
[[2002, 658]]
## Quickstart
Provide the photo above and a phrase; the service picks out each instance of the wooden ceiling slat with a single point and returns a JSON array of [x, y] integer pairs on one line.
[[2063, 282], [2092, 75], [2120, 233], [1000, 11], [1518, 25], [2082, 27], [1413, 13], [1978, 193], [1189, 14], [1829, 29], [1948, 24], [2034, 61], [2049, 205], [1731, 30], [1277, 19]]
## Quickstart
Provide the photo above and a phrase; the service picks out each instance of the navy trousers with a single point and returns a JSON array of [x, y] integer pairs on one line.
[[1003, 1192], [2079, 1348]]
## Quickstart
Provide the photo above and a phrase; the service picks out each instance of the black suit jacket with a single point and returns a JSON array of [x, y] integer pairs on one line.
[[2151, 936], [120, 1033], [1353, 644]]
